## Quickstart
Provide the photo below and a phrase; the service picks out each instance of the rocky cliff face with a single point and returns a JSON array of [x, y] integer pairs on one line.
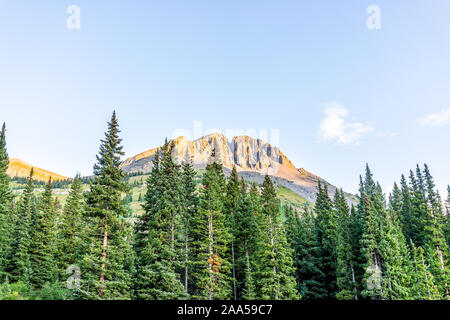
[[244, 152], [253, 159]]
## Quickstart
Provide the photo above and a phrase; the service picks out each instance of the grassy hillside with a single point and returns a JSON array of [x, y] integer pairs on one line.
[[288, 196]]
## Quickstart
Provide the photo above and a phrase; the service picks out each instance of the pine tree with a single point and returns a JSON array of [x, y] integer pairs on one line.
[[212, 237], [141, 227], [70, 230], [275, 272], [190, 207], [395, 199], [5, 200], [447, 217], [419, 210], [387, 268], [108, 263], [232, 198], [43, 240], [293, 235], [307, 256], [432, 195], [370, 251], [246, 226], [358, 224], [405, 210], [158, 258], [249, 289], [435, 244], [20, 264], [423, 282], [345, 276], [245, 235], [397, 267], [327, 227]]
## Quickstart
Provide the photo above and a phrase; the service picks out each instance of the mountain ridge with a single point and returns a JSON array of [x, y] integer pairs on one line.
[[21, 169], [253, 158]]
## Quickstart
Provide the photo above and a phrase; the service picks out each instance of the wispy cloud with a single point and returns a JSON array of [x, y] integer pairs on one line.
[[438, 119], [336, 127], [387, 134]]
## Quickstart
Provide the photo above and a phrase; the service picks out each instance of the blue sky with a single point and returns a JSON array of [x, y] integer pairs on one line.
[[339, 94]]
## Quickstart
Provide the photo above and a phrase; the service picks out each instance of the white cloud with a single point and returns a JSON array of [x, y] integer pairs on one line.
[[336, 127], [437, 119], [387, 134]]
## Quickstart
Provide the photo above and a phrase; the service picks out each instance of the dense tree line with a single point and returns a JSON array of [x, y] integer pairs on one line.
[[60, 184], [222, 238]]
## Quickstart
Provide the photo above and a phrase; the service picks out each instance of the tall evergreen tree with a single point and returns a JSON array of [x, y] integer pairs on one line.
[[435, 243], [245, 235], [424, 287], [387, 269], [345, 274], [158, 259], [327, 227], [19, 266], [69, 237], [190, 207], [141, 226], [395, 199], [212, 237], [397, 267], [307, 258], [447, 217], [43, 240], [419, 215], [405, 212], [108, 263], [359, 219], [293, 235], [275, 272], [370, 251], [5, 200], [232, 198]]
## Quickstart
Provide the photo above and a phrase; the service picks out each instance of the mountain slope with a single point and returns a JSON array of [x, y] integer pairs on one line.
[[253, 159], [19, 168]]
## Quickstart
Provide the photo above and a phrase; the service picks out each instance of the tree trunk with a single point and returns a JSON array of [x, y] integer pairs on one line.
[[211, 256], [272, 242], [234, 269], [441, 261], [102, 275], [355, 290], [172, 233], [426, 280], [186, 267]]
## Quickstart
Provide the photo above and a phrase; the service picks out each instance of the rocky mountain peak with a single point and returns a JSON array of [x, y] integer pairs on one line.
[[244, 152], [252, 157]]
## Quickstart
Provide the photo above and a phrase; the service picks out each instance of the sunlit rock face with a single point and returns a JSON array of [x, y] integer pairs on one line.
[[244, 152], [252, 157]]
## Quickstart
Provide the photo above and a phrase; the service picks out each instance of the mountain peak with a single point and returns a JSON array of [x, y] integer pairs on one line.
[[244, 152], [253, 158]]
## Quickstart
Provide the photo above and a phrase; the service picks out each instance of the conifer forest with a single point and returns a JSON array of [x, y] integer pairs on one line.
[[216, 236]]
